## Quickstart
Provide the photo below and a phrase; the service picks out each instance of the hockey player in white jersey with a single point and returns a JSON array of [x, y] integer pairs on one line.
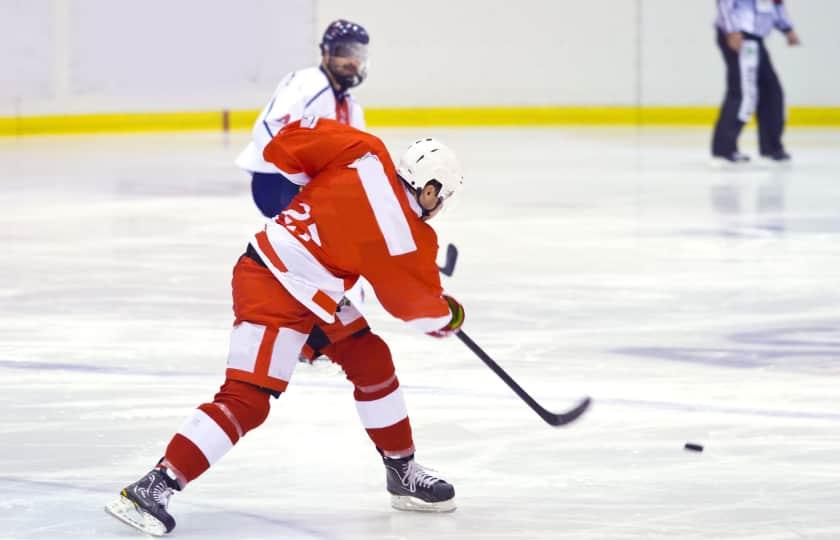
[[319, 91]]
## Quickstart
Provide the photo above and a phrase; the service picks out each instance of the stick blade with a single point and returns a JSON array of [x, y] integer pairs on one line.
[[567, 417], [451, 257]]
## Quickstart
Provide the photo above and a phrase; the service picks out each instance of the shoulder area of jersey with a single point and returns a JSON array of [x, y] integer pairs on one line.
[[310, 80], [309, 121], [312, 121]]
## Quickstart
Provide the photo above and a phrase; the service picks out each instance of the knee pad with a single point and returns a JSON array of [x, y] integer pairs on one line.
[[366, 360], [245, 405]]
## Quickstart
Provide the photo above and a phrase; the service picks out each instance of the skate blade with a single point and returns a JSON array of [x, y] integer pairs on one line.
[[125, 511], [413, 504], [726, 165]]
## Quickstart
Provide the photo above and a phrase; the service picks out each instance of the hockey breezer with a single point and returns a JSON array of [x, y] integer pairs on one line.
[[551, 418]]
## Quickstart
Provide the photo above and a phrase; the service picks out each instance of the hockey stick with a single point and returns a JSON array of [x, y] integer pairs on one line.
[[553, 419], [451, 257]]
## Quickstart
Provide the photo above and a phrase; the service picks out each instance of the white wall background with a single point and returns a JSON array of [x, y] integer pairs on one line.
[[150, 55], [125, 55], [569, 52]]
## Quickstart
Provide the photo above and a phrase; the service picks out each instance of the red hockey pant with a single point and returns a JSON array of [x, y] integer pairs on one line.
[[269, 332]]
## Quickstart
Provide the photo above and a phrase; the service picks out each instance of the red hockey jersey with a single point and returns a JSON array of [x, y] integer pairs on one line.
[[353, 217]]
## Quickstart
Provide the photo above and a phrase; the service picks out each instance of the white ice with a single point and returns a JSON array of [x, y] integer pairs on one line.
[[692, 303]]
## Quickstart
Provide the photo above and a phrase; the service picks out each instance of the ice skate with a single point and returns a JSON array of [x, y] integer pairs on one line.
[[734, 159], [143, 504], [414, 488], [779, 156]]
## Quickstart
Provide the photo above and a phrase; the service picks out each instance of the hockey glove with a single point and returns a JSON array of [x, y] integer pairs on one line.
[[457, 319]]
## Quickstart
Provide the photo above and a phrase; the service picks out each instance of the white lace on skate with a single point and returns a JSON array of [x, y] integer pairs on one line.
[[133, 514], [415, 475], [161, 493]]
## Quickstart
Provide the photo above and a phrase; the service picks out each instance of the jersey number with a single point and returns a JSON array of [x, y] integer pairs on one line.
[[299, 222]]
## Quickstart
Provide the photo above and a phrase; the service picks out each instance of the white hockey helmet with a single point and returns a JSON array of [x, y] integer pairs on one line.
[[429, 160]]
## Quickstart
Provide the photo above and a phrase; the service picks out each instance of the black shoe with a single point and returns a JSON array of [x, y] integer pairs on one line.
[[143, 504], [414, 488], [734, 157], [779, 156]]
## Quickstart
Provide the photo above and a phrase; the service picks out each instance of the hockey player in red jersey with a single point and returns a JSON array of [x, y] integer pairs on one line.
[[357, 215]]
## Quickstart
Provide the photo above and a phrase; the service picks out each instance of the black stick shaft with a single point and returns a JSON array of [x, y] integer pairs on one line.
[[548, 416]]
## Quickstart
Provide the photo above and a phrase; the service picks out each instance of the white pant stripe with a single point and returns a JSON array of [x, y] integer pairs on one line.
[[285, 354], [245, 339], [748, 59]]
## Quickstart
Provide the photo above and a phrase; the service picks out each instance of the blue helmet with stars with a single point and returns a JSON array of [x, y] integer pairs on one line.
[[345, 45]]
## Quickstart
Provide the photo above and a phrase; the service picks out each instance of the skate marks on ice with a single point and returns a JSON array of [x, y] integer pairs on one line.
[[56, 510], [316, 378], [812, 348]]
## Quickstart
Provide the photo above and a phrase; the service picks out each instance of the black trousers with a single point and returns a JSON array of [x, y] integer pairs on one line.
[[751, 87]]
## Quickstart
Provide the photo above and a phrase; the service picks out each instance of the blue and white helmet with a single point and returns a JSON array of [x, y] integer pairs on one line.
[[344, 31], [345, 39]]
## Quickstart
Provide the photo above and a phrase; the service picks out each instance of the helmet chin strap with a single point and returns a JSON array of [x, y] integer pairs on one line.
[[348, 82]]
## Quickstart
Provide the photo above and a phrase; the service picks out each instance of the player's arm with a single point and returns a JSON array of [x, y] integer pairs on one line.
[[306, 147], [285, 107], [782, 20], [409, 289], [726, 9], [784, 24]]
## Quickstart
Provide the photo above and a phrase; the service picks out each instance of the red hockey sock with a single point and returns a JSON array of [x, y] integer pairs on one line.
[[214, 428], [366, 359]]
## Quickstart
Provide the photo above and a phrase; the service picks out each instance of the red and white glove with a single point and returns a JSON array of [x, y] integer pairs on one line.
[[457, 319]]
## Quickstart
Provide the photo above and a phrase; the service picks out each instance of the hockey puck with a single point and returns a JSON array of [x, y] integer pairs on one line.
[[693, 447]]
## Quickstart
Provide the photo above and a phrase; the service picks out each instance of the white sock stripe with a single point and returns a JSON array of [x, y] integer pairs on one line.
[[182, 480], [206, 435], [227, 412], [397, 454], [383, 412], [376, 387]]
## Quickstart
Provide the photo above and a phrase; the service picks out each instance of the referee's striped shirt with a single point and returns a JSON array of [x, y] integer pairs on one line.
[[756, 17]]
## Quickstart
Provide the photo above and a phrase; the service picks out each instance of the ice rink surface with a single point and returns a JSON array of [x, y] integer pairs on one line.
[[692, 303]]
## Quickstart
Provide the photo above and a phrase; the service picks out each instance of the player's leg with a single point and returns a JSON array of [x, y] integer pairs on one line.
[[272, 192], [348, 321], [266, 340], [771, 110], [207, 435], [736, 108], [366, 360]]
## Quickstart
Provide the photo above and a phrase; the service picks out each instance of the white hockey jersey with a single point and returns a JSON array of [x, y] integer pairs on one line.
[[306, 92]]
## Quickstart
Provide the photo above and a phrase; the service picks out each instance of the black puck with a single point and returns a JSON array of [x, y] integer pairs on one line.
[[693, 447]]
